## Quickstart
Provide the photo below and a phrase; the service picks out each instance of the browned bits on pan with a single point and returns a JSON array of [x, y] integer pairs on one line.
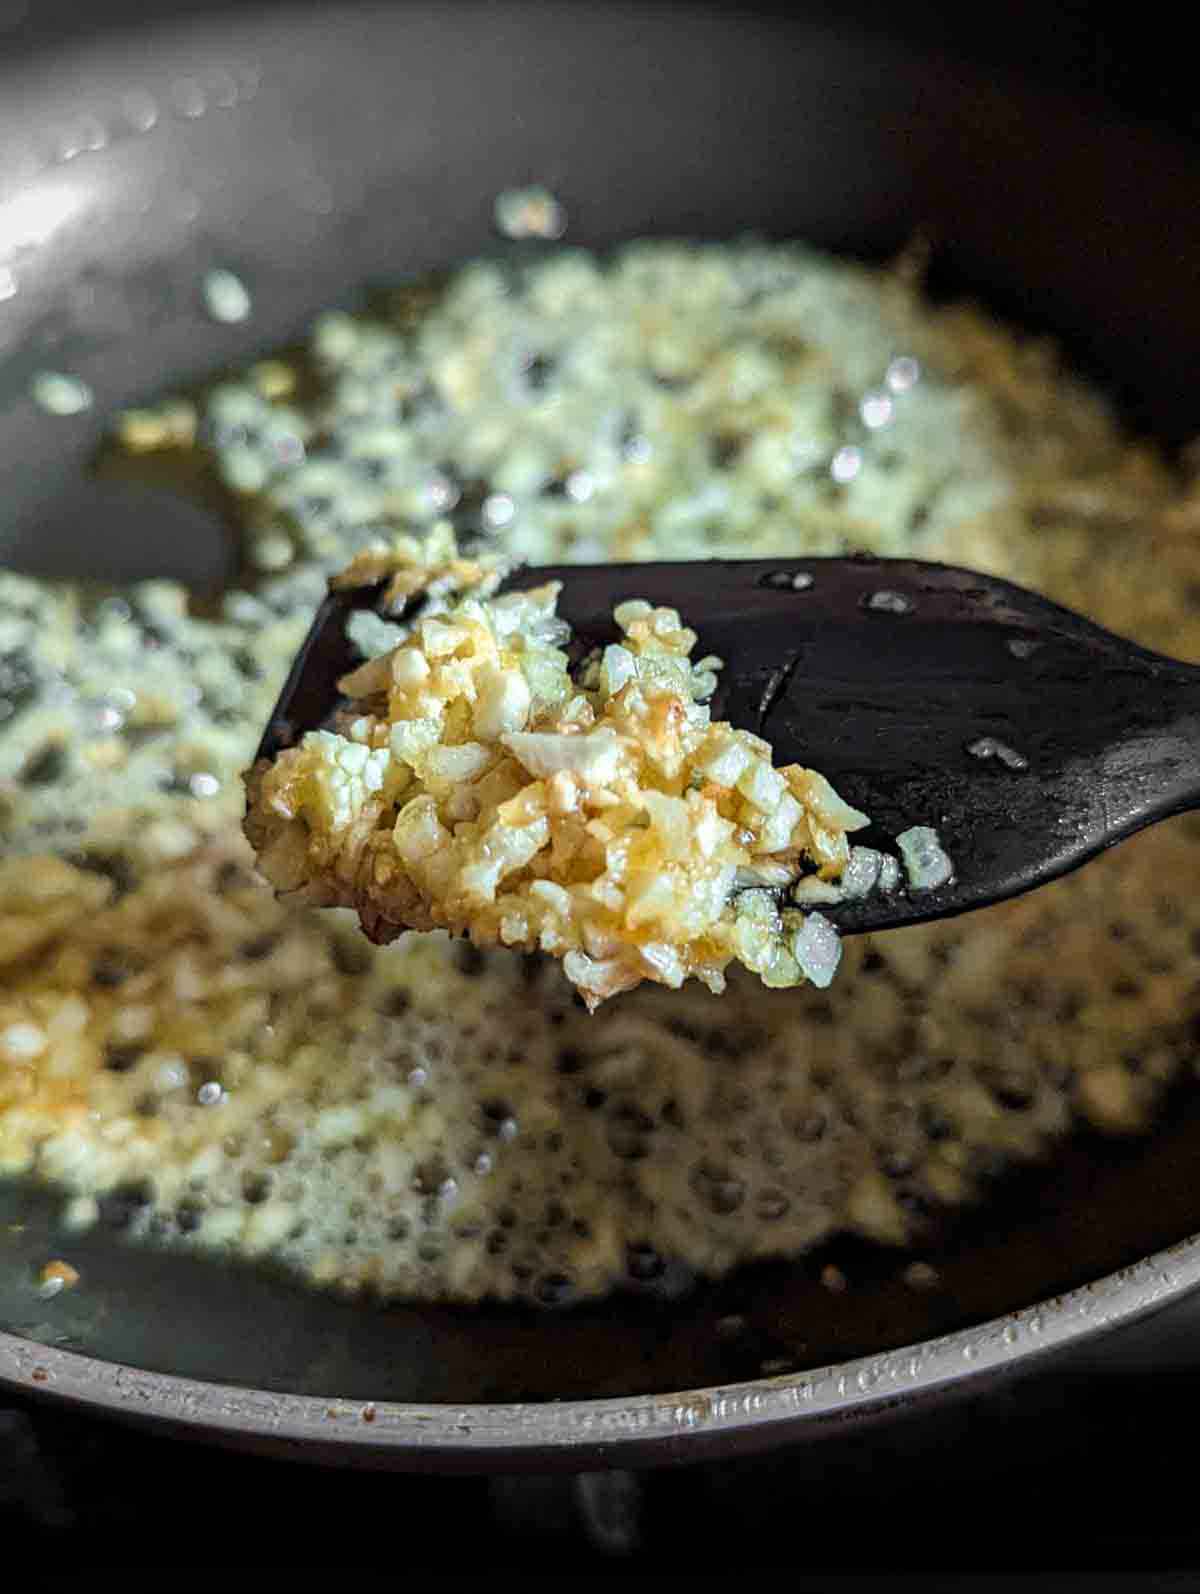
[[55, 1277]]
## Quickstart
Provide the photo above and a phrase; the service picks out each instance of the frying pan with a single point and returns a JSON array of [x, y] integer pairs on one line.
[[316, 150]]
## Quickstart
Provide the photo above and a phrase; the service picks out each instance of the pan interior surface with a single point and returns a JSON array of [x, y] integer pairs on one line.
[[324, 149], [1050, 1232]]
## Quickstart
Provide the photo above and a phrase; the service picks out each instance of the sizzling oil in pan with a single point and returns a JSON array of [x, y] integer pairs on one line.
[[880, 1134], [766, 1315]]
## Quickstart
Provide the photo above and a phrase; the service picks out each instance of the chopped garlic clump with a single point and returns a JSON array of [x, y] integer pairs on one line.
[[474, 785]]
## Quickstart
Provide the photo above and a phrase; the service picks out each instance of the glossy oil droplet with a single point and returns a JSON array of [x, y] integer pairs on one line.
[[1022, 647], [888, 602], [788, 580], [989, 747]]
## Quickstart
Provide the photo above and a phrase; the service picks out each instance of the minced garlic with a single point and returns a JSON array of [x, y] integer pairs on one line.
[[474, 784]]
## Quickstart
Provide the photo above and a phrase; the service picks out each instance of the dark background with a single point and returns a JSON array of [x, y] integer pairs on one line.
[[1083, 1484]]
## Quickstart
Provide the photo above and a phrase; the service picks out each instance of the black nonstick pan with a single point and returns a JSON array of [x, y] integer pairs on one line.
[[320, 149]]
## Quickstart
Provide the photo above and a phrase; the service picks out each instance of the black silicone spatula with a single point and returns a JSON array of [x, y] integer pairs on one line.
[[1029, 738]]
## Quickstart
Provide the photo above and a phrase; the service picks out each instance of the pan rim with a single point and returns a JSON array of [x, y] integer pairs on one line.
[[589, 1435]]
